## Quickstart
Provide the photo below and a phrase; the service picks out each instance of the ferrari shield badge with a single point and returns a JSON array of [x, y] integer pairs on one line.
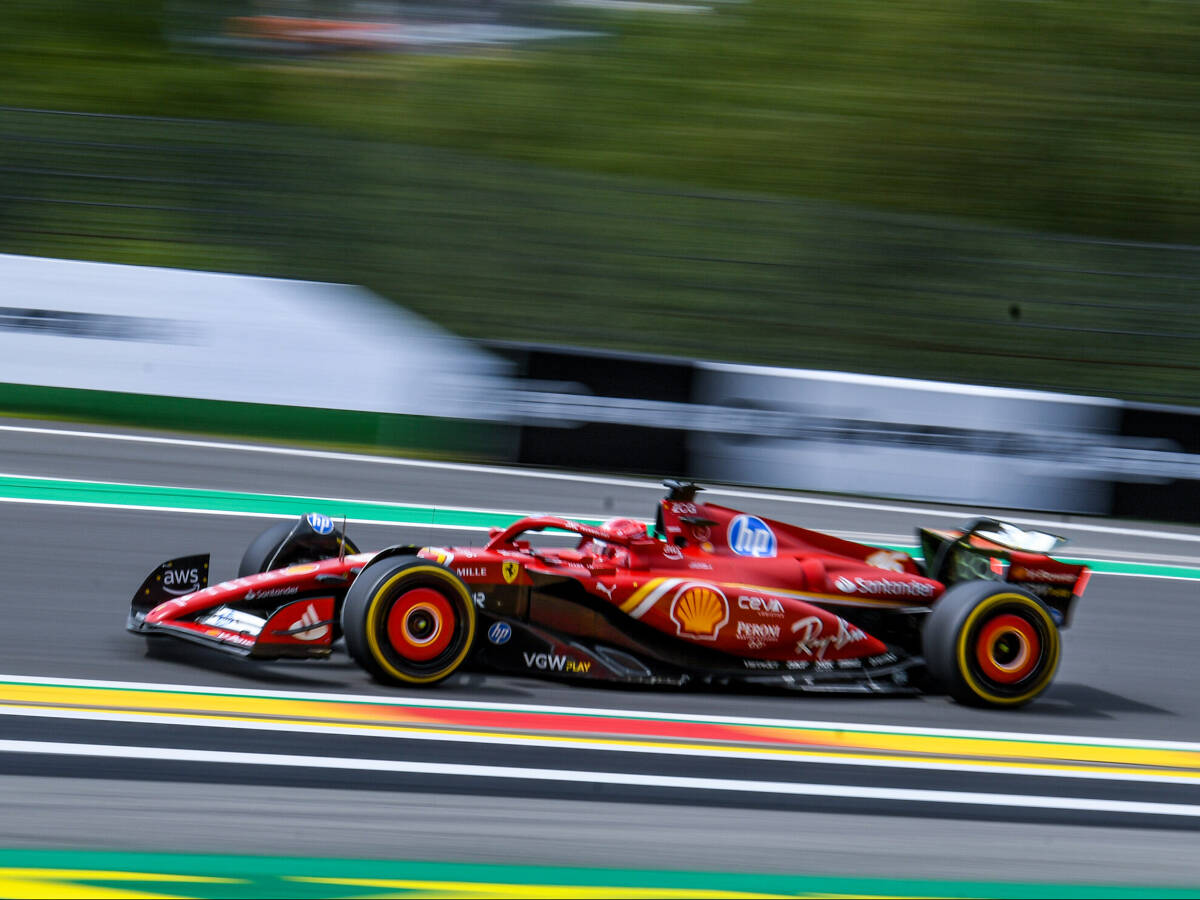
[[510, 570]]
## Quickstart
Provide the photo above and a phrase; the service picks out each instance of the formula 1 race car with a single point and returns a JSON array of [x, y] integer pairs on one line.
[[709, 595]]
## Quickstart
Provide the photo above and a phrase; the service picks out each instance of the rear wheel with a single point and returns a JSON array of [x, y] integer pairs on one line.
[[991, 644], [408, 621]]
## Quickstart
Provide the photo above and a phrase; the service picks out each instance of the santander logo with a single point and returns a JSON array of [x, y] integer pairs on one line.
[[887, 586], [310, 617]]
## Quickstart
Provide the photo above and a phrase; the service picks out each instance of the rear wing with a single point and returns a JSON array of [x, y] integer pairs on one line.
[[991, 550]]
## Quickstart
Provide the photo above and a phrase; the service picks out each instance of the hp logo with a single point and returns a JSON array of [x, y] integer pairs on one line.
[[751, 536], [319, 523]]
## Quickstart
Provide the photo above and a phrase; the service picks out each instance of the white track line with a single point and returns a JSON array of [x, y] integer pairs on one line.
[[663, 746], [235, 513], [336, 455], [168, 488], [440, 526], [956, 514], [600, 712], [677, 782]]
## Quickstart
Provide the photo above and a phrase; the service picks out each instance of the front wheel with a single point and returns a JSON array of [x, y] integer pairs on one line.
[[991, 644], [408, 621]]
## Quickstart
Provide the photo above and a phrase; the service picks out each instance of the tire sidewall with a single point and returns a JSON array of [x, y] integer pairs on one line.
[[264, 549], [954, 625], [369, 602]]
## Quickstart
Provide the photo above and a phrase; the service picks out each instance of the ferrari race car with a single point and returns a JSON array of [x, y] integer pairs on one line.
[[709, 595]]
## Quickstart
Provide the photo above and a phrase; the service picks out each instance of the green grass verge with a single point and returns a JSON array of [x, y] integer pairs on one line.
[[335, 428], [89, 873]]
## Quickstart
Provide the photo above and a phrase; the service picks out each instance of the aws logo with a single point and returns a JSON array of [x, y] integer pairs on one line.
[[181, 581]]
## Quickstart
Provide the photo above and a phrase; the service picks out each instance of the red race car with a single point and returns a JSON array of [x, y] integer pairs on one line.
[[710, 595]]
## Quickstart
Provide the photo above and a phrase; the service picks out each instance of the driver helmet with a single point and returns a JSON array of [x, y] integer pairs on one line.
[[627, 528]]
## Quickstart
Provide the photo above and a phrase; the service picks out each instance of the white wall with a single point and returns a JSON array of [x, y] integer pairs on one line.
[[213, 336], [896, 437]]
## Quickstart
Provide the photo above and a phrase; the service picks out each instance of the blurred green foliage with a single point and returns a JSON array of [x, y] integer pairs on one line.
[[868, 185], [1060, 115]]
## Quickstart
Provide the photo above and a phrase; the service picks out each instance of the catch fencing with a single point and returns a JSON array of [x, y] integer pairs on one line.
[[780, 289], [498, 250]]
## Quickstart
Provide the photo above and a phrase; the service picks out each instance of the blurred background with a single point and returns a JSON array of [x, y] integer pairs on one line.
[[705, 239], [998, 192]]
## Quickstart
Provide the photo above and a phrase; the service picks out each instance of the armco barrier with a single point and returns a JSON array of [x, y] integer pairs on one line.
[[846, 433], [1168, 488], [340, 428], [895, 437], [586, 409]]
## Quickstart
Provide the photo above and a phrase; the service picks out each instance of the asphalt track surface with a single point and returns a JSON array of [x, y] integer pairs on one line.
[[68, 573]]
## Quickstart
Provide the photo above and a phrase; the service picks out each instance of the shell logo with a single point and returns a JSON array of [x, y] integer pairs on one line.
[[699, 611]]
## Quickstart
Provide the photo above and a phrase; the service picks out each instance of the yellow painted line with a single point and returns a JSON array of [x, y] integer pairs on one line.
[[830, 754], [424, 888], [50, 884], [169, 701], [636, 597], [992, 748], [798, 743]]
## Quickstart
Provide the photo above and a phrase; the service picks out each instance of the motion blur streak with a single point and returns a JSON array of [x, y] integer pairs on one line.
[[603, 730], [820, 185], [1110, 699], [519, 773]]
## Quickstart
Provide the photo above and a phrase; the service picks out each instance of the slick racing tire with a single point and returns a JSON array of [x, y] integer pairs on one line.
[[289, 544], [991, 644], [408, 621]]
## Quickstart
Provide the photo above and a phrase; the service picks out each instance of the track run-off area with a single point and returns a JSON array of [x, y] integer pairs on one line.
[[130, 770]]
